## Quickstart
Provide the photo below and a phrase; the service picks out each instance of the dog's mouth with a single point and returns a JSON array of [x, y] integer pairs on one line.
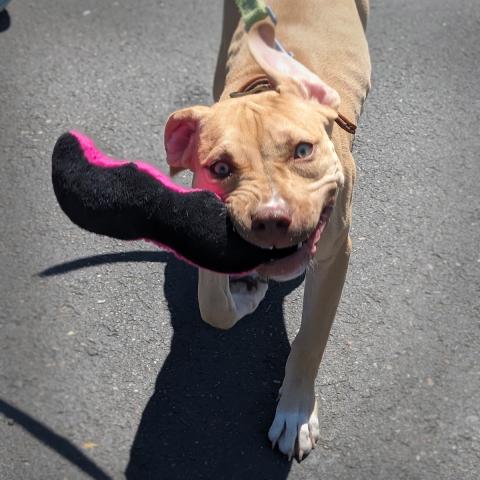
[[310, 243], [295, 264]]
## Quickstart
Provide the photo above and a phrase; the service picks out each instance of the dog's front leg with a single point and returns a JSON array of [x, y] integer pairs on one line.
[[296, 418], [222, 302]]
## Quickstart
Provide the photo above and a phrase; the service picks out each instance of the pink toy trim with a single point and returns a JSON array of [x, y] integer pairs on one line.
[[186, 260], [98, 158]]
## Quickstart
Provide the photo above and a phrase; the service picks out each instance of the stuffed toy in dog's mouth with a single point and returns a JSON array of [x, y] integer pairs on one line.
[[132, 200]]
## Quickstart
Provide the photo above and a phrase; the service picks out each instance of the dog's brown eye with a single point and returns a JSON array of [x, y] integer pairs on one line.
[[221, 169], [303, 150]]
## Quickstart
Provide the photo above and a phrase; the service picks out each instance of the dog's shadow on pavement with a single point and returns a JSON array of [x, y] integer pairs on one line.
[[215, 395]]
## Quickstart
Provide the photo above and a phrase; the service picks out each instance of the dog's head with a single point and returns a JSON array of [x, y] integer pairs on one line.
[[268, 155]]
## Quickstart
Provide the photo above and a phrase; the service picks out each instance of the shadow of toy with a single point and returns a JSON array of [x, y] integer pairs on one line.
[[215, 395]]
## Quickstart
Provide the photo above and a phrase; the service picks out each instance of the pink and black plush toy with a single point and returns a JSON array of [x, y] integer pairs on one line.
[[132, 200]]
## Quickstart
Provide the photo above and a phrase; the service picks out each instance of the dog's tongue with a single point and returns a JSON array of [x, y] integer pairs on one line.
[[294, 265], [291, 266], [315, 238]]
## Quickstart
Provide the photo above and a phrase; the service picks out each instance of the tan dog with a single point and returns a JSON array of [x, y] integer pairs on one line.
[[285, 170]]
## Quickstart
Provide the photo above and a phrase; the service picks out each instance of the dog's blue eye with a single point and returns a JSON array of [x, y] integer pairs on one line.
[[221, 169], [303, 150]]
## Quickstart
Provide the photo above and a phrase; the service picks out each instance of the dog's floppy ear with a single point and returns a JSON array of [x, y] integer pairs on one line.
[[284, 70], [181, 136]]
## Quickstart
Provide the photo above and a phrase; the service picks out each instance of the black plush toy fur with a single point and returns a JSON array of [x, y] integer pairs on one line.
[[127, 203]]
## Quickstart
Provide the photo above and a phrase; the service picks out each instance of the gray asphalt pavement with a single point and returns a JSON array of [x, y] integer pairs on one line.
[[106, 369]]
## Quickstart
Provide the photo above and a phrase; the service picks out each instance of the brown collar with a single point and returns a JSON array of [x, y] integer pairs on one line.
[[262, 84]]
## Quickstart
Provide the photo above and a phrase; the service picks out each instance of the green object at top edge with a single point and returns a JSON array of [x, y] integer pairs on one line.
[[252, 11]]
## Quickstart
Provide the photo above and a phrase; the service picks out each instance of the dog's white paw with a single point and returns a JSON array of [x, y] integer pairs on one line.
[[295, 428], [247, 292]]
